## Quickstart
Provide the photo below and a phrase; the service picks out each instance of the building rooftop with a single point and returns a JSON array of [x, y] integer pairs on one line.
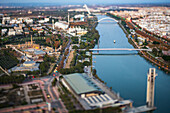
[[29, 62], [81, 83]]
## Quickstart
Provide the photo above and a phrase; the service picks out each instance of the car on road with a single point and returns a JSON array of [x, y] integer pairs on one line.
[[48, 96]]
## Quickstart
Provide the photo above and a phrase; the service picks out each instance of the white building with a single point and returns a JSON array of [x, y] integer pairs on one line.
[[27, 66], [63, 25], [81, 17], [41, 21], [29, 21], [141, 39], [11, 32], [3, 31], [46, 19], [4, 19], [13, 21], [77, 31]]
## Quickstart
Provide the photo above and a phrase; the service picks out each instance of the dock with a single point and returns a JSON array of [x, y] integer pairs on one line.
[[140, 109]]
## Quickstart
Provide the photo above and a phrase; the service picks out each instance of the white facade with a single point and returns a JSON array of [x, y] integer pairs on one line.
[[77, 31], [3, 31], [29, 21], [46, 19], [62, 25], [99, 100], [11, 32], [81, 17]]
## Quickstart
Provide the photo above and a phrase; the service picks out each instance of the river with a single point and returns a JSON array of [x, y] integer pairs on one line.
[[127, 74]]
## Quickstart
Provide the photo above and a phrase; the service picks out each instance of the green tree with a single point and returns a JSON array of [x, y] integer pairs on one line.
[[155, 51], [86, 63]]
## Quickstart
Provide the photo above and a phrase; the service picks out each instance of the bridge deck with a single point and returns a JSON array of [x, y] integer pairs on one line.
[[122, 49]]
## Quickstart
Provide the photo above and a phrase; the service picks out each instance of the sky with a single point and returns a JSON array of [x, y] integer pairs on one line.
[[85, 1]]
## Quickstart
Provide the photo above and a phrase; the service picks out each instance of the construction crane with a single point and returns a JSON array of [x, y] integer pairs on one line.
[[85, 6]]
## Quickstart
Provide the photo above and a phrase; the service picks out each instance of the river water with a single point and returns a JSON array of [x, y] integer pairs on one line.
[[127, 74]]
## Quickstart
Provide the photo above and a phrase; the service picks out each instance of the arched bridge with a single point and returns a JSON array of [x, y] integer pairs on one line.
[[107, 18]]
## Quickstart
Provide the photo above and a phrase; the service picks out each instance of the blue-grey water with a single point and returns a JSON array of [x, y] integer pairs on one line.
[[127, 74]]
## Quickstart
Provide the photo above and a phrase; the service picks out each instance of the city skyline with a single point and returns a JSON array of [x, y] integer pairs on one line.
[[87, 1]]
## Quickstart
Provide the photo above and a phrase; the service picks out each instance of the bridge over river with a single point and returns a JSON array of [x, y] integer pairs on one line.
[[119, 49], [126, 74]]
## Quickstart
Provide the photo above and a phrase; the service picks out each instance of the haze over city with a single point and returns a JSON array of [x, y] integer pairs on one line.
[[84, 56], [86, 1]]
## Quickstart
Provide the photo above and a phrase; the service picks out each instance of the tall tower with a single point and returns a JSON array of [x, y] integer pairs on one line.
[[68, 18], [151, 87], [53, 23]]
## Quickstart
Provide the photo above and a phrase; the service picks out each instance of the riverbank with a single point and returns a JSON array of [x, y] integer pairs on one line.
[[119, 23], [127, 74], [161, 65]]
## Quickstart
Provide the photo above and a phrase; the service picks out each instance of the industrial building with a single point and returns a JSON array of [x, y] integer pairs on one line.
[[81, 85]]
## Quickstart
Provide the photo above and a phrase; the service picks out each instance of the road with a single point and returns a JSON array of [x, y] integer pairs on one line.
[[54, 98], [47, 89], [20, 108]]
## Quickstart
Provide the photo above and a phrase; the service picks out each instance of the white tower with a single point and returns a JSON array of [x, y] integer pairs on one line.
[[68, 19], [53, 23], [150, 87]]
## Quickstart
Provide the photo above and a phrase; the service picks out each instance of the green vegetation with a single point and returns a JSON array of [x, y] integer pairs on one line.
[[14, 86], [155, 42], [69, 100], [91, 38], [11, 79], [44, 66], [96, 76], [7, 60], [54, 82], [114, 16], [104, 110], [61, 64], [125, 26], [156, 52], [75, 69], [88, 41], [74, 40], [166, 58]]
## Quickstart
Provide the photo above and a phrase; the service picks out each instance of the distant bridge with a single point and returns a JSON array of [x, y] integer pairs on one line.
[[114, 54], [119, 49], [107, 18], [116, 49]]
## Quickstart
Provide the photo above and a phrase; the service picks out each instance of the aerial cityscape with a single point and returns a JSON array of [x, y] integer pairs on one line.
[[85, 56]]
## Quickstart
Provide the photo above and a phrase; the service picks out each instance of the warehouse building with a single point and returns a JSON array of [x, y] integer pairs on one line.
[[81, 85]]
